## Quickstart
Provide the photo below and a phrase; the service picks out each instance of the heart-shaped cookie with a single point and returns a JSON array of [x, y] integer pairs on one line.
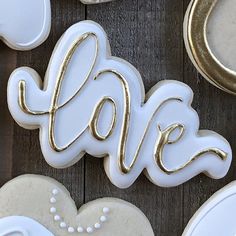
[[93, 102], [217, 216], [31, 204], [24, 24], [209, 35]]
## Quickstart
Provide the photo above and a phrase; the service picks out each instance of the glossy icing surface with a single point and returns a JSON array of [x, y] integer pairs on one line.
[[24, 24], [216, 216], [21, 226], [95, 103]]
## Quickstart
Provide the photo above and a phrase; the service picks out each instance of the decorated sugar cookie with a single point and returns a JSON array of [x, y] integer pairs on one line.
[[24, 24], [217, 216], [32, 205], [95, 103], [210, 35]]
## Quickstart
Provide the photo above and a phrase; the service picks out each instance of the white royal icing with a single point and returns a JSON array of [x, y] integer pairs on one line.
[[95, 103], [29, 196], [24, 24], [217, 216], [79, 229], [22, 226]]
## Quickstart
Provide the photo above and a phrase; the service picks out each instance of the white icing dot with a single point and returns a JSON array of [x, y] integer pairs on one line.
[[89, 230], [71, 230], [53, 200], [103, 218], [53, 210], [63, 225], [97, 226], [57, 217], [105, 210], [80, 229], [55, 191]]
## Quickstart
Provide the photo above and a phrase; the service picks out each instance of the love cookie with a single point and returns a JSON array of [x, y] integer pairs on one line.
[[210, 35], [24, 24], [95, 103], [32, 205], [216, 216]]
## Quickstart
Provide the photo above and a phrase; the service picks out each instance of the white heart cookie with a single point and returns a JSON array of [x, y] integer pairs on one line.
[[95, 103], [24, 24], [34, 204], [217, 216]]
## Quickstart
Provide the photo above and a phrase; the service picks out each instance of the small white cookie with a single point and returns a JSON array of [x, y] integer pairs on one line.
[[95, 103], [24, 24], [217, 216], [40, 206]]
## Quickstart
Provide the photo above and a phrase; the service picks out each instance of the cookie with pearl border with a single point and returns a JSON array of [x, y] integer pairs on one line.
[[29, 24], [46, 205]]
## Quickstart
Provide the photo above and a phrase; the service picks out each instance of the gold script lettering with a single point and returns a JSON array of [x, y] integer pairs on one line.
[[164, 136], [164, 139]]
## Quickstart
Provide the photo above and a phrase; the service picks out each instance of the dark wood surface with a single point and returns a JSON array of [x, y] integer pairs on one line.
[[147, 33]]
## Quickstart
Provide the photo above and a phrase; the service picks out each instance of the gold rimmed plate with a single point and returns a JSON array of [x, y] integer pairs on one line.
[[210, 39]]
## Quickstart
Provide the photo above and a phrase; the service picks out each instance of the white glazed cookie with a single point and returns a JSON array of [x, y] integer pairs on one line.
[[217, 216], [32, 205], [21, 226], [95, 103], [24, 24], [213, 55]]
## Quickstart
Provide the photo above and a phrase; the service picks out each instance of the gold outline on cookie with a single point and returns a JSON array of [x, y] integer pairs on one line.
[[196, 40], [56, 93], [164, 136], [94, 121], [164, 139]]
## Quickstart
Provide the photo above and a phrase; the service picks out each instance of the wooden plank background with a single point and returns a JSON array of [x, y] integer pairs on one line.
[[147, 33]]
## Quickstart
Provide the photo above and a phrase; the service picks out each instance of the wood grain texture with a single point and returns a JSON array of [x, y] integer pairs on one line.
[[148, 34], [7, 64]]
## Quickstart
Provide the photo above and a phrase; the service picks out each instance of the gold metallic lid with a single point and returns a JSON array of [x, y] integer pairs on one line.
[[200, 51]]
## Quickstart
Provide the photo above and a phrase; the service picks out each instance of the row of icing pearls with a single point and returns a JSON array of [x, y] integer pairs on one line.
[[79, 229]]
